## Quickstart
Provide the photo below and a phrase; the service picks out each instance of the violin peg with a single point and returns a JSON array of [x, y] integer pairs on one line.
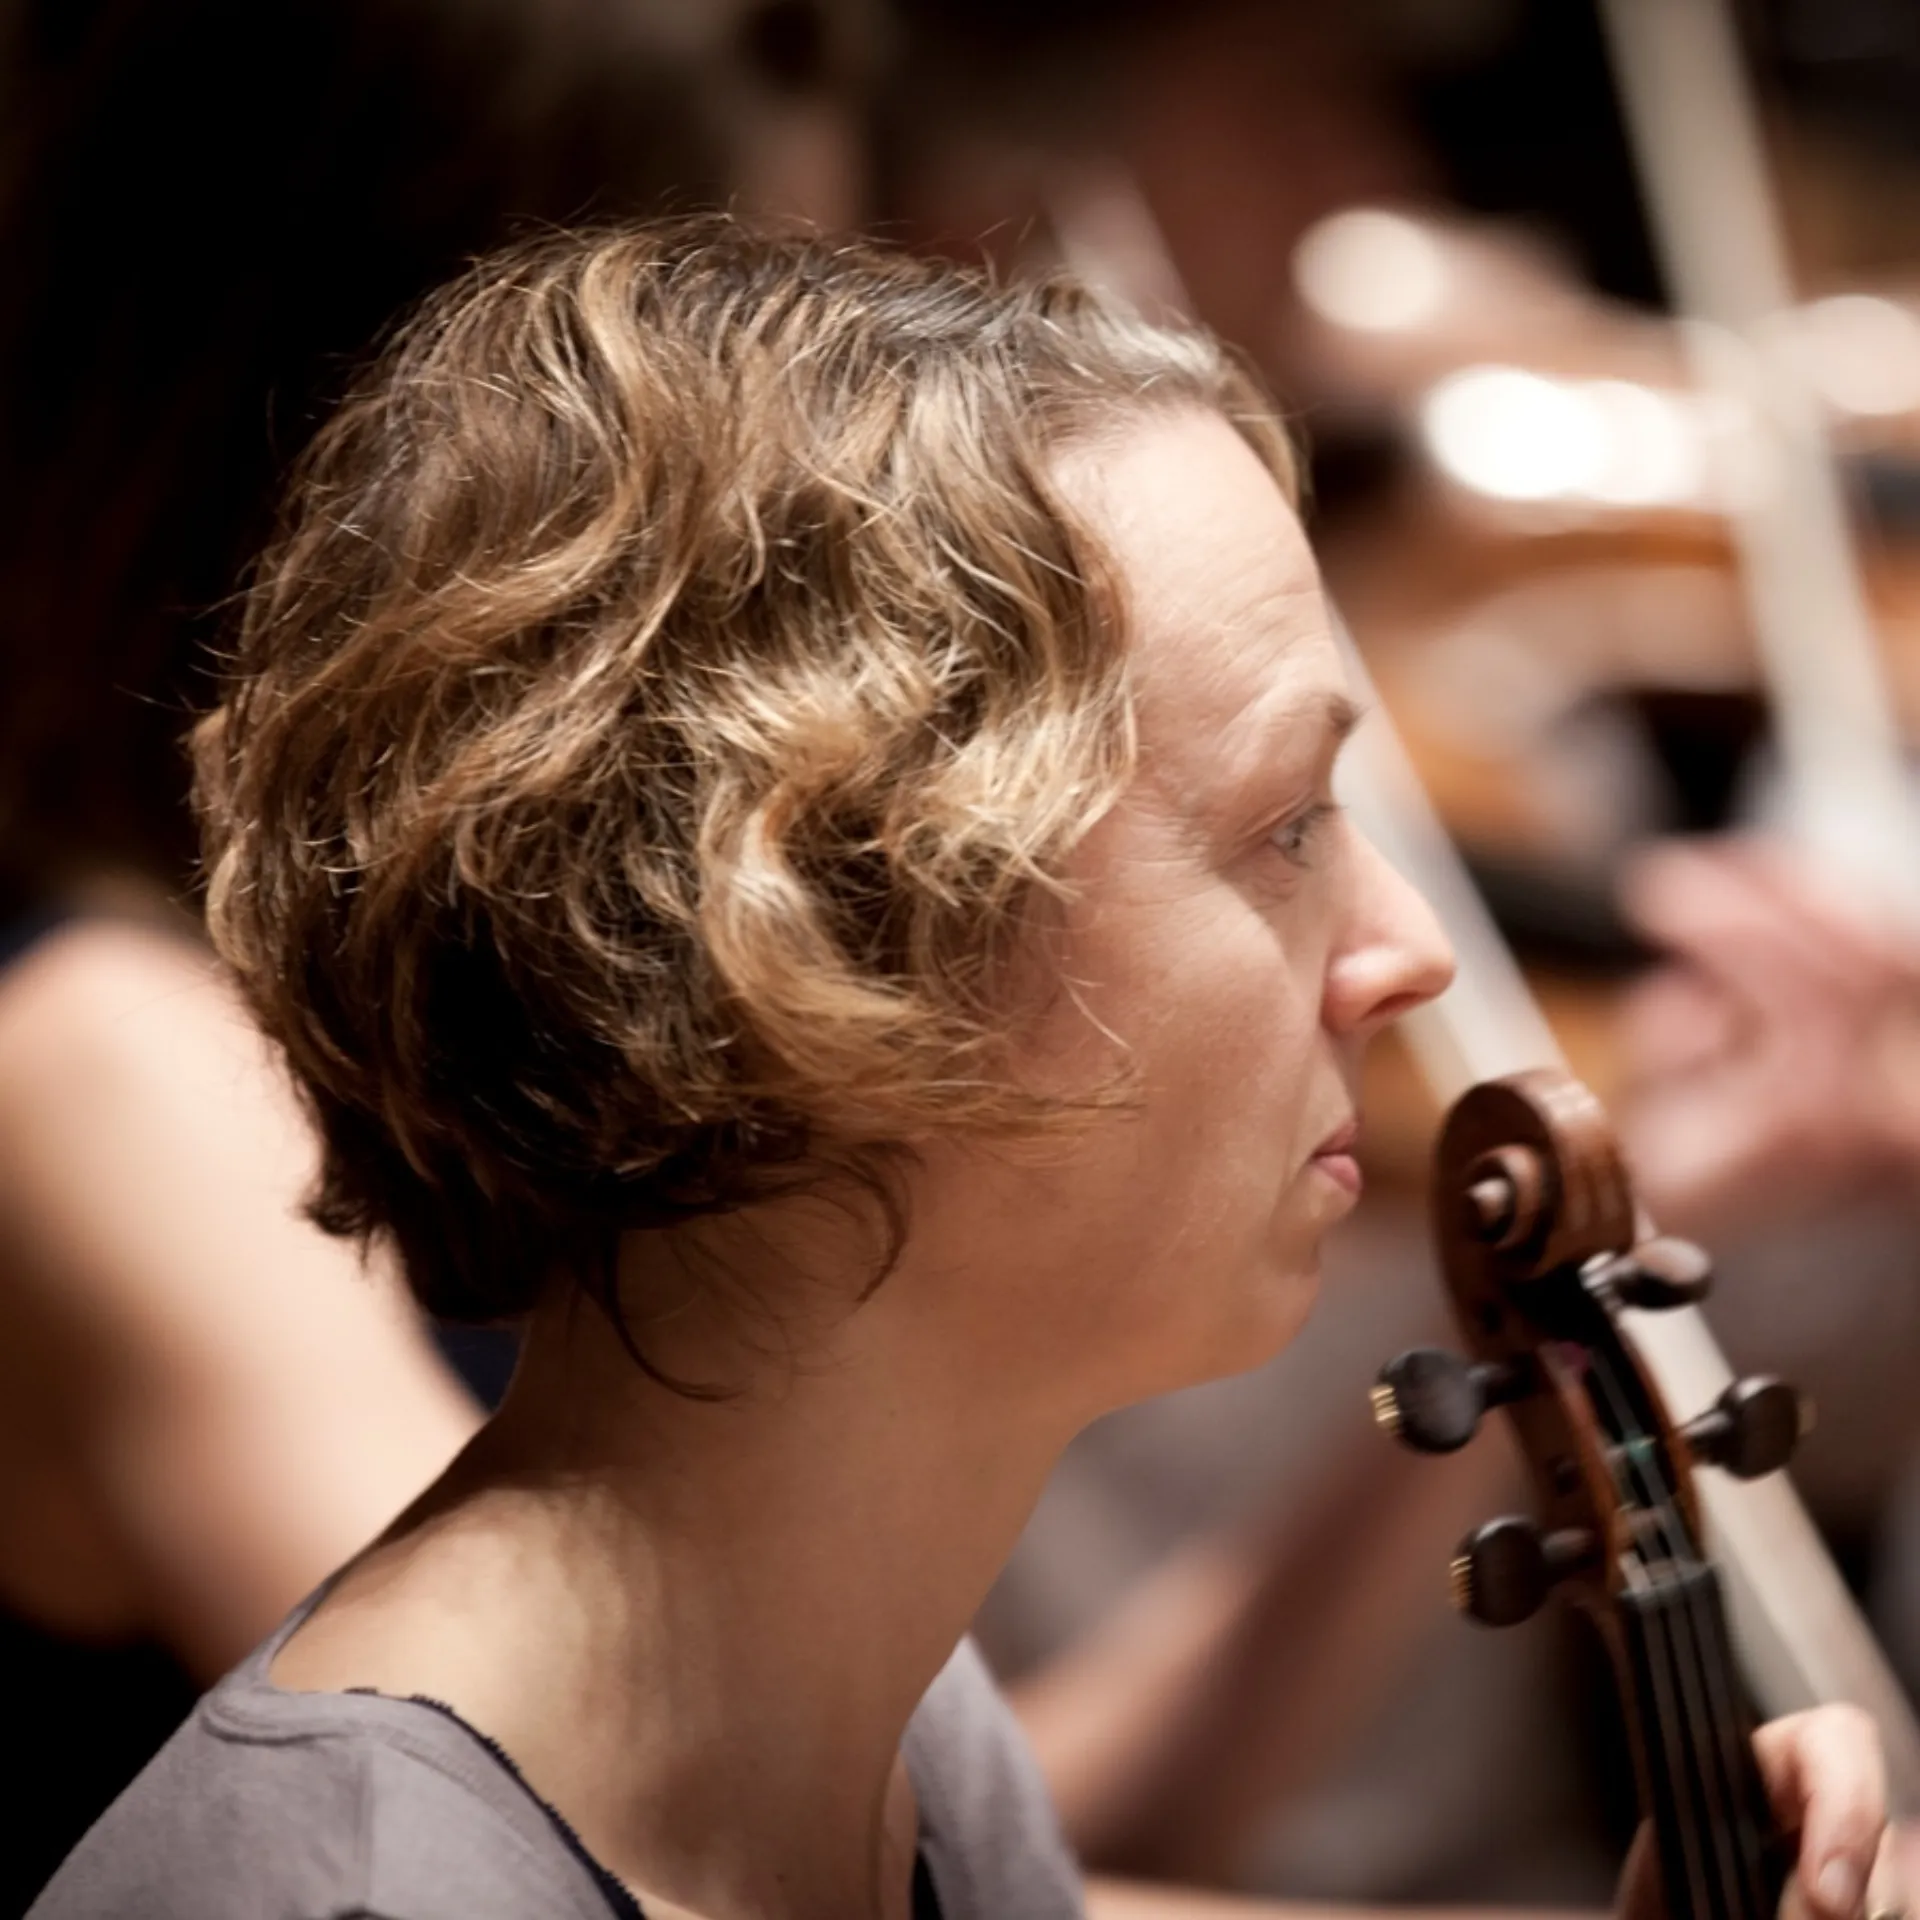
[[1655, 1275], [1752, 1429], [1432, 1401], [1505, 1570]]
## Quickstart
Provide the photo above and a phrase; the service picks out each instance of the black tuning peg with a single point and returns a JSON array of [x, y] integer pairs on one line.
[[1432, 1401], [1751, 1429], [1505, 1570], [1655, 1274]]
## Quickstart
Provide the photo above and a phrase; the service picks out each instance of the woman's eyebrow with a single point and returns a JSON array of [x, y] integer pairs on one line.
[[1324, 717], [1340, 713], [1331, 712], [1331, 716]]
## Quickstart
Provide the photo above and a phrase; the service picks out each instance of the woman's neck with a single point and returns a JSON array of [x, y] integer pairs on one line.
[[700, 1627]]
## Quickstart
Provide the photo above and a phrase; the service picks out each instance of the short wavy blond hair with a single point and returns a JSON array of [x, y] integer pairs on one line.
[[676, 679]]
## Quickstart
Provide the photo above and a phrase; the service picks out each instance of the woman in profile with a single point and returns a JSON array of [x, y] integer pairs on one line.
[[778, 801]]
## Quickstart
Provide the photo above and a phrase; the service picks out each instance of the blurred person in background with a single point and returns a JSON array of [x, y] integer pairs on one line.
[[1773, 1083], [1773, 1061], [209, 210]]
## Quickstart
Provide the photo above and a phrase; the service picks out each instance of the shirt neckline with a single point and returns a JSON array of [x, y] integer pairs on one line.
[[620, 1898], [257, 1669], [618, 1895]]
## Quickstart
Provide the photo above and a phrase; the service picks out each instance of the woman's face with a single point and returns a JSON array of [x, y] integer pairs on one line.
[[1233, 943]]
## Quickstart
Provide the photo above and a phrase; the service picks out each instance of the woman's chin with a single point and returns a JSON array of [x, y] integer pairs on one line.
[[1271, 1318], [1218, 1324]]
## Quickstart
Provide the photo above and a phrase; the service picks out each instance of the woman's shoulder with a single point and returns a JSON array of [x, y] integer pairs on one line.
[[987, 1826], [296, 1804], [273, 1802]]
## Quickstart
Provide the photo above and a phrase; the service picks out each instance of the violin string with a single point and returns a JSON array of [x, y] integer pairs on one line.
[[1737, 1752], [1726, 1721], [1694, 1670], [1705, 1756], [1675, 1769], [1699, 1827], [1713, 1663], [1736, 1759]]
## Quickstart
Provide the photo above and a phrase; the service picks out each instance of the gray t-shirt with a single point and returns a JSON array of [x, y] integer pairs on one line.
[[269, 1805]]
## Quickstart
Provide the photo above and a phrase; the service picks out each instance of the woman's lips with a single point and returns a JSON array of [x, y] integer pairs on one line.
[[1335, 1157]]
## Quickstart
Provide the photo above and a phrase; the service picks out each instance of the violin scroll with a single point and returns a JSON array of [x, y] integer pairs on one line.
[[1543, 1247]]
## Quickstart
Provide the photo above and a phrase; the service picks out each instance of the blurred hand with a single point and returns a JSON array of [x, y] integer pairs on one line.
[[1824, 1777], [1774, 1064]]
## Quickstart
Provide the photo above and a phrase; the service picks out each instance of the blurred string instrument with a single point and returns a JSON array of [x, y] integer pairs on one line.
[[1696, 139], [1618, 506], [1709, 458], [1591, 589]]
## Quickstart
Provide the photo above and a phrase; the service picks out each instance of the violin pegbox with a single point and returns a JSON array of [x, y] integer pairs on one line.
[[1541, 1251]]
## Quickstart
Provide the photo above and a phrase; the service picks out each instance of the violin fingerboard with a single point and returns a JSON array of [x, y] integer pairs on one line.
[[1722, 1856]]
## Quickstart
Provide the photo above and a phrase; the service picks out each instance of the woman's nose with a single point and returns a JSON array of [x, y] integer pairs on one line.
[[1395, 956]]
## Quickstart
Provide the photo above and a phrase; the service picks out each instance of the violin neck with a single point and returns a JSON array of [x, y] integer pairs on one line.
[[1721, 1855]]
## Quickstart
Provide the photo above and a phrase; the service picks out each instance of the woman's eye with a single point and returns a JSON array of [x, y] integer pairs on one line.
[[1295, 837]]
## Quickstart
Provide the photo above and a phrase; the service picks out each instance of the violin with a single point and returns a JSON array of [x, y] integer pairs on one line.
[[1543, 1250]]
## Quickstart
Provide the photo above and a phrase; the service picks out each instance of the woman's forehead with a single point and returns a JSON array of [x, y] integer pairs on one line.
[[1235, 711], [1231, 655], [1203, 539]]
